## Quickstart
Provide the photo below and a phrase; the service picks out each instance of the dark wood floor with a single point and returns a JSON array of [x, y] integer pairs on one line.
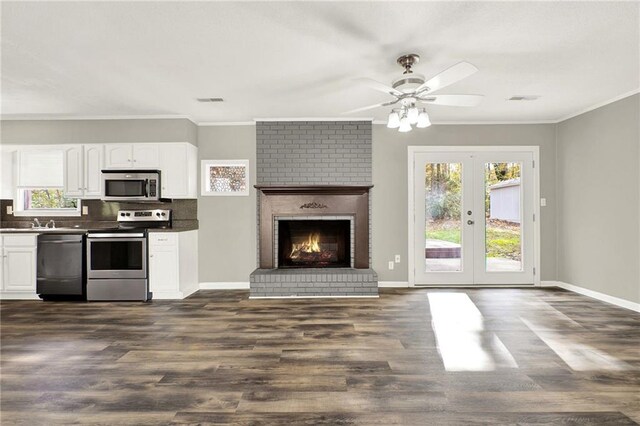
[[411, 357]]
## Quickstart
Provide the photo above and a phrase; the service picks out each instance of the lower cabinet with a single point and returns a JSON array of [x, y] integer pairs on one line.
[[18, 266], [173, 264]]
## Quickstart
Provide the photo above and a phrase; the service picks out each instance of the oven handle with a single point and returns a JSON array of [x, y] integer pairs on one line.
[[117, 236]]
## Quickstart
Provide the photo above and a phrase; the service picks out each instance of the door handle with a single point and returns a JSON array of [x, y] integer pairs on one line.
[[469, 222]]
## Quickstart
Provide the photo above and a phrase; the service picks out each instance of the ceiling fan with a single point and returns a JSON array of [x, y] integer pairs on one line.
[[412, 89]]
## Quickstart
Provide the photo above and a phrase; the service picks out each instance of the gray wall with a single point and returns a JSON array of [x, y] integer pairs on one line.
[[97, 131], [227, 236], [599, 200], [390, 199], [314, 152]]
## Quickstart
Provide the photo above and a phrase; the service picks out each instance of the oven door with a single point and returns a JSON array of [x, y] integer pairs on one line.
[[112, 256]]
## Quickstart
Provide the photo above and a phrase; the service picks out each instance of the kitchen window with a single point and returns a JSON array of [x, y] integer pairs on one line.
[[45, 202]]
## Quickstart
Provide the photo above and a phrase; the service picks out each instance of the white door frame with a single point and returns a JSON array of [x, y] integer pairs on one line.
[[412, 150]]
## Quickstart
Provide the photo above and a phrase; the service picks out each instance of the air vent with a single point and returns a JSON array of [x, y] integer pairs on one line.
[[210, 99], [523, 98]]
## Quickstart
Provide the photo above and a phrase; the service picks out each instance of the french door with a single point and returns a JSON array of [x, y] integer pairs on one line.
[[473, 218]]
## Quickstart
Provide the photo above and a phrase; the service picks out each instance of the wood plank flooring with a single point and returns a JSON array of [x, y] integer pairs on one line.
[[411, 357]]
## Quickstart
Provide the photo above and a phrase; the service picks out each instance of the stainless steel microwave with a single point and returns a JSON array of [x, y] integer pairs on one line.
[[130, 185]]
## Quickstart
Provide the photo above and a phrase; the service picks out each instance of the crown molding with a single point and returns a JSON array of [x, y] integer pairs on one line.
[[479, 123], [599, 105], [53, 117], [226, 123]]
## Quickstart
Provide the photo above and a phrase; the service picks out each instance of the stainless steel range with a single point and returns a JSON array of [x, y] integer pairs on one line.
[[117, 258]]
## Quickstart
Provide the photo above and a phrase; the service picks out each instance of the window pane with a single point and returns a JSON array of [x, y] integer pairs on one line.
[[503, 216], [443, 239], [48, 199]]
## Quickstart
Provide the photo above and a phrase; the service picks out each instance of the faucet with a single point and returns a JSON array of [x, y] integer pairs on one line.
[[36, 223], [52, 223]]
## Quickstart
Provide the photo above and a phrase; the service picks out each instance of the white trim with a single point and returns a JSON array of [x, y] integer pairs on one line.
[[314, 297], [314, 119], [167, 295], [50, 117], [623, 303], [226, 123], [393, 284], [413, 150], [599, 105], [237, 285], [477, 123], [19, 295]]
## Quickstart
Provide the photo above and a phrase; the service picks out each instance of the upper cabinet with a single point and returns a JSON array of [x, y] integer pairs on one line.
[[82, 170], [132, 156], [178, 170]]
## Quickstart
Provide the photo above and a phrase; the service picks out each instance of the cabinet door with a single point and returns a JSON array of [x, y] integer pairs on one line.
[[146, 155], [163, 270], [118, 156], [174, 178], [1, 263], [93, 165], [19, 269], [73, 171]]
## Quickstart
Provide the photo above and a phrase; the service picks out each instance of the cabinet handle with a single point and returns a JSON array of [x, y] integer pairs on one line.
[[135, 161], [129, 160], [150, 255]]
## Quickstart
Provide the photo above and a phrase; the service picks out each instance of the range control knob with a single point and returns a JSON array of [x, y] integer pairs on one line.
[[121, 214], [128, 214], [157, 214], [164, 214]]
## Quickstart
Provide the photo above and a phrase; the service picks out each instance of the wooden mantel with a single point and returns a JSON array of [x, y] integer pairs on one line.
[[314, 200]]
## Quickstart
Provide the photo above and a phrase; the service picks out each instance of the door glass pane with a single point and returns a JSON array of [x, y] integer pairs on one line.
[[503, 217], [443, 203]]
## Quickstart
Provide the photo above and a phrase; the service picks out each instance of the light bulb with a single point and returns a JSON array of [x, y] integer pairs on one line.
[[412, 114], [394, 120], [423, 120], [405, 126]]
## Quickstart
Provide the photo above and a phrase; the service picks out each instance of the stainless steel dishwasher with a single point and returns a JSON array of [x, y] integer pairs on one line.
[[61, 266]]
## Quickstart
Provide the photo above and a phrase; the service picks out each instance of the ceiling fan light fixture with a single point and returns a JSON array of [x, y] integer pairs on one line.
[[405, 126], [394, 120], [423, 120], [412, 115]]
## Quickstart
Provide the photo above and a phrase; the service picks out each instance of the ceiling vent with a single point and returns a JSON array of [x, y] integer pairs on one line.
[[523, 98], [210, 99]]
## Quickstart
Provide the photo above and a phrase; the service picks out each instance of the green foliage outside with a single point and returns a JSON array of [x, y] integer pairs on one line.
[[49, 199]]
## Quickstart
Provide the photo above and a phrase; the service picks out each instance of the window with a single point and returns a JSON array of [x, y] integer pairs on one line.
[[46, 202]]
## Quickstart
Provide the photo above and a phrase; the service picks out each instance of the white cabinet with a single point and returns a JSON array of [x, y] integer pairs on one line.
[[179, 170], [18, 270], [82, 170], [130, 156], [93, 165], [8, 155], [173, 264]]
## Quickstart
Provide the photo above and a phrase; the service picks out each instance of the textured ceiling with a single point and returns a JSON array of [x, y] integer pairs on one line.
[[300, 59]]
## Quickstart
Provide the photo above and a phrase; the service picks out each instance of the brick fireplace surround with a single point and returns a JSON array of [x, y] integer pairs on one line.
[[316, 170]]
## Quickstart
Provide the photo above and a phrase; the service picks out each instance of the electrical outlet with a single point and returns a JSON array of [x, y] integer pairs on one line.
[[85, 210], [9, 209], [391, 265], [397, 258], [543, 202]]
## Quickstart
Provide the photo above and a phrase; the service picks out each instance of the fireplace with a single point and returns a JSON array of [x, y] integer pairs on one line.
[[314, 243]]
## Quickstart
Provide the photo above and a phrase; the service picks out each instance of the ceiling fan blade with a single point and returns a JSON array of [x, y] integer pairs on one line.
[[381, 87], [447, 77], [453, 100], [370, 107]]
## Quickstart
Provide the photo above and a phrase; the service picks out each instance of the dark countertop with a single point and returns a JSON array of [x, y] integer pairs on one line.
[[178, 226]]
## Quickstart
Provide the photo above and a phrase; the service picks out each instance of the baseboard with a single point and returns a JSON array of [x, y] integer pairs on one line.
[[168, 295], [19, 295], [234, 285], [597, 295], [391, 284]]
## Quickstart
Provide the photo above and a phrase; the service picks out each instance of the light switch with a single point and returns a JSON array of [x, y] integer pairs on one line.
[[85, 210], [9, 209], [397, 258], [391, 265], [543, 202]]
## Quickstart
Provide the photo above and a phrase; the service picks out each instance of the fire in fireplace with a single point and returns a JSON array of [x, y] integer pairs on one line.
[[314, 243]]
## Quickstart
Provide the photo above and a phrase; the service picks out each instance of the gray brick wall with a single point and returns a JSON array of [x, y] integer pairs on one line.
[[313, 152]]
